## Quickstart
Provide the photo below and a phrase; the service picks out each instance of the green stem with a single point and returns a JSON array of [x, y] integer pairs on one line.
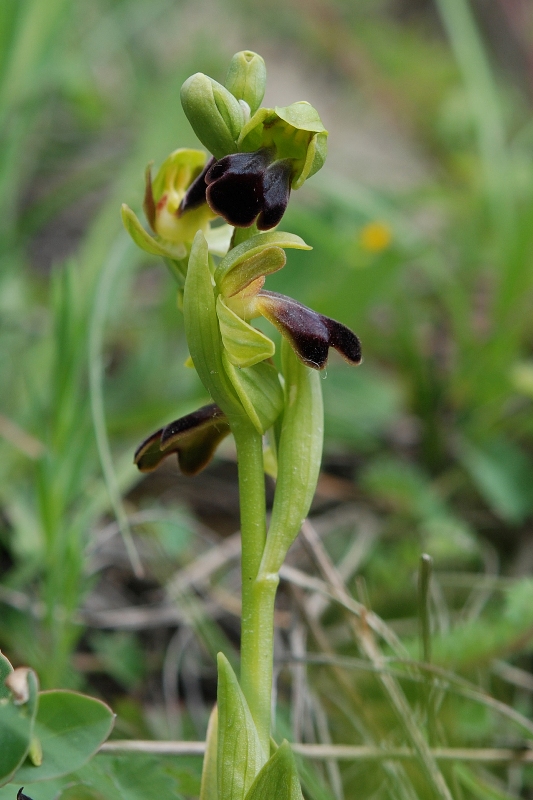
[[257, 600]]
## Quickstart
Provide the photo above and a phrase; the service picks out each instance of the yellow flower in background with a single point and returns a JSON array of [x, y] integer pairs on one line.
[[375, 237]]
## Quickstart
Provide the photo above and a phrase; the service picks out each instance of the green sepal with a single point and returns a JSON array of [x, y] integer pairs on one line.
[[299, 456], [214, 113], [259, 391], [302, 116], [278, 780], [253, 247], [17, 718], [246, 78], [202, 329], [142, 238], [314, 159], [239, 752], [267, 261], [244, 344], [208, 786]]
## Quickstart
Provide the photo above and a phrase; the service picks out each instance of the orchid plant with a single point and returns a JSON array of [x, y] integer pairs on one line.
[[213, 219]]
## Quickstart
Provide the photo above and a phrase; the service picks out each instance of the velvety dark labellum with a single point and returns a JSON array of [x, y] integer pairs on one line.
[[243, 187], [195, 194], [21, 796], [194, 438], [276, 193], [311, 334]]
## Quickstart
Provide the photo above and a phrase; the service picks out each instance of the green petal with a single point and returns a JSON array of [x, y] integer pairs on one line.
[[255, 245], [146, 242], [245, 345], [259, 391]]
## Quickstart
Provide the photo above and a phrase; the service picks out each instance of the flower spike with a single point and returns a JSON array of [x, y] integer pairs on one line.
[[194, 438]]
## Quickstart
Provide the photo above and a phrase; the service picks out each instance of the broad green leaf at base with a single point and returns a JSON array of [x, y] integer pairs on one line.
[[278, 780], [70, 727]]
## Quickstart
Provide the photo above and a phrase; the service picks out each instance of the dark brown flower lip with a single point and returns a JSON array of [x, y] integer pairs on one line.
[[311, 334], [245, 187], [193, 438], [21, 796], [195, 195]]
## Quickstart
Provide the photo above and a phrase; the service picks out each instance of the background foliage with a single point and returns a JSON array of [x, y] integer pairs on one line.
[[422, 228]]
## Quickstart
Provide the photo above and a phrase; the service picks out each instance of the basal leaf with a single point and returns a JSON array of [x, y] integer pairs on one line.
[[70, 727], [208, 789], [239, 752], [278, 780]]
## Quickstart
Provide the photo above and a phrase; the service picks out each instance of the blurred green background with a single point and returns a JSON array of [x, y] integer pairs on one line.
[[422, 229]]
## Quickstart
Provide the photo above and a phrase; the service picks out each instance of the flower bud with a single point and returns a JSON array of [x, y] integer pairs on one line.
[[214, 113], [246, 78]]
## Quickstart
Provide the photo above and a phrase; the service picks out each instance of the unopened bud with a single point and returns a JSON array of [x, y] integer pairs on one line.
[[214, 113], [246, 78]]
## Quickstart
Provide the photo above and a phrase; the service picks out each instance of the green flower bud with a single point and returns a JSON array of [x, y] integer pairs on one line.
[[214, 113], [246, 78]]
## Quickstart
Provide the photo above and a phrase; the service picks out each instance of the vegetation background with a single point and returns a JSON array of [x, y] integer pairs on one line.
[[422, 228]]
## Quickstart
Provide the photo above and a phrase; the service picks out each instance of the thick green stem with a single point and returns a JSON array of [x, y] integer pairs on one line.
[[257, 601]]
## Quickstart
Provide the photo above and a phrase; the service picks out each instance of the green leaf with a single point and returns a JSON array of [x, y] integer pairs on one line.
[[299, 456], [5, 669], [259, 391], [503, 473], [244, 344], [208, 789], [253, 247], [71, 727], [239, 756], [142, 238], [17, 724], [138, 777], [202, 329], [278, 780], [80, 791]]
